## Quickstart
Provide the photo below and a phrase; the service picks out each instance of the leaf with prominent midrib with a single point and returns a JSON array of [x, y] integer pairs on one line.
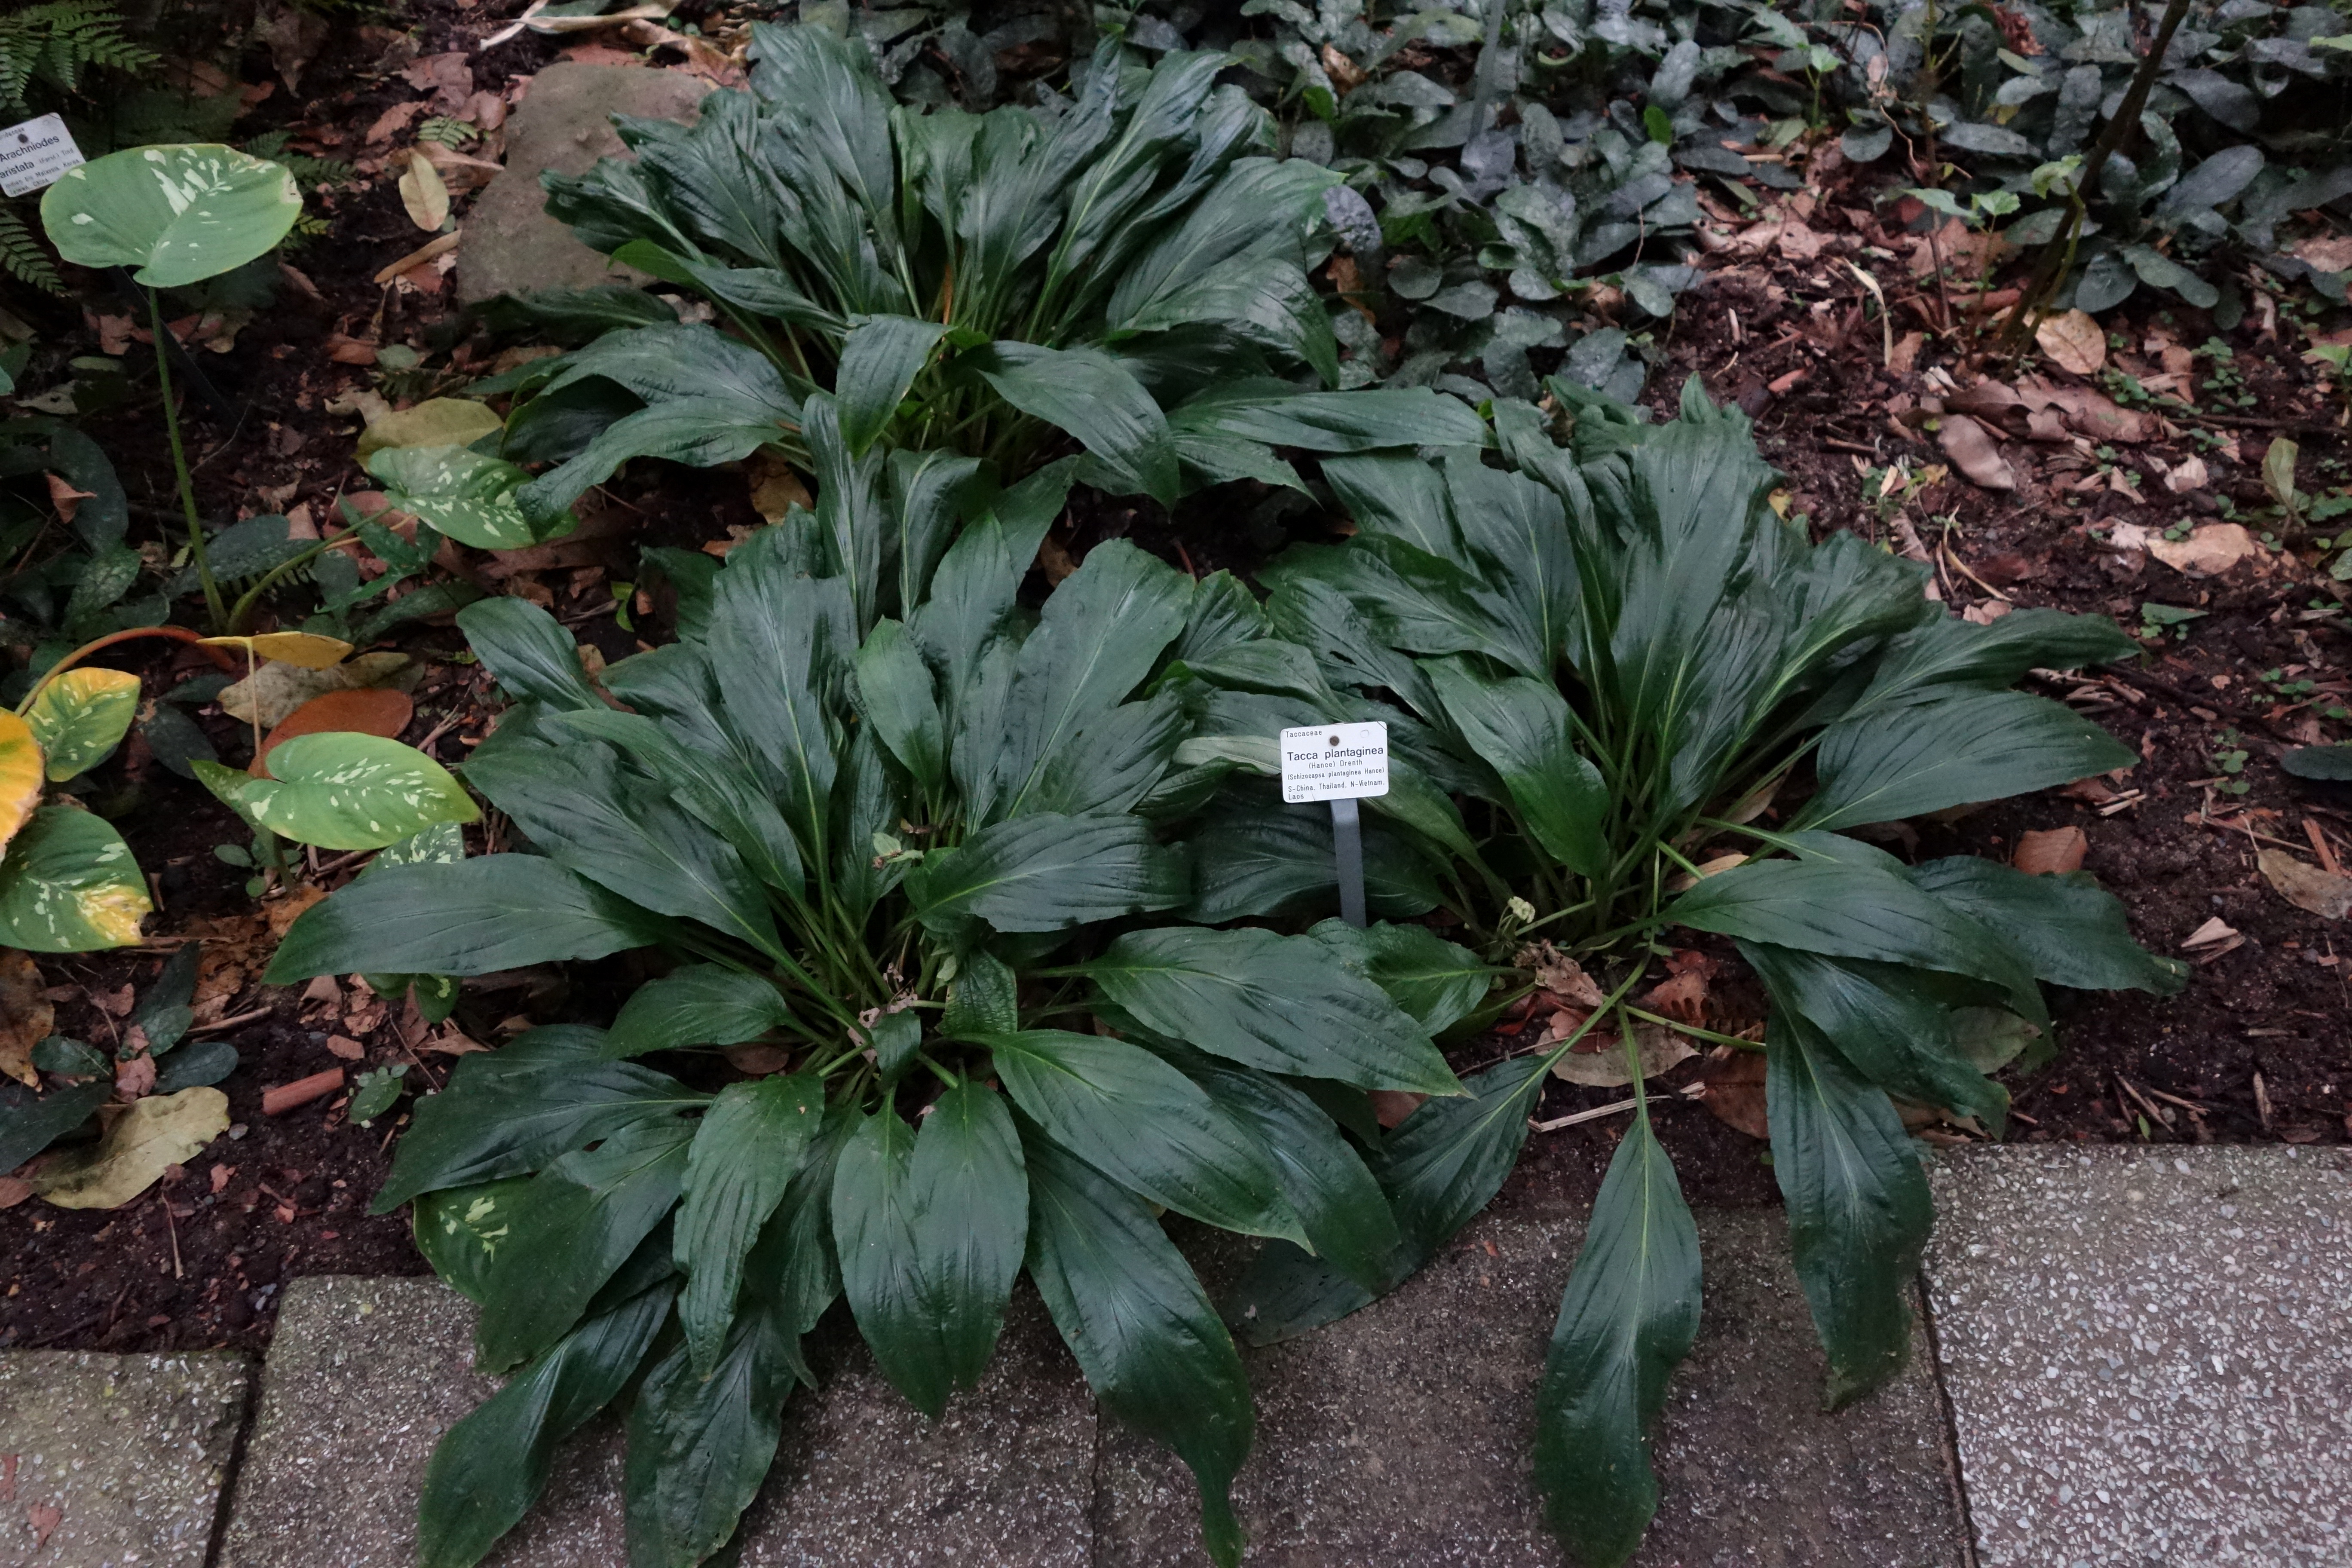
[[701, 1439], [1522, 729], [1280, 1002], [747, 1149], [1145, 1125], [879, 360], [896, 692], [1953, 750], [506, 1111], [699, 1005], [528, 652], [874, 1236], [479, 916], [1858, 1208], [1142, 1330], [1047, 873], [2071, 929], [1096, 399], [580, 1220], [971, 1194], [1626, 1321], [489, 1467]]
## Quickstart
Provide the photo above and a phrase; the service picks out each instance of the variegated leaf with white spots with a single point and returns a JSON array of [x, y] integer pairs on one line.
[[178, 213], [464, 493], [69, 885], [80, 717], [345, 791]]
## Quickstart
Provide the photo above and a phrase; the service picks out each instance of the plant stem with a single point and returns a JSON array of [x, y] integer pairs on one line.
[[213, 601], [2059, 252], [251, 597], [1692, 1030], [179, 634]]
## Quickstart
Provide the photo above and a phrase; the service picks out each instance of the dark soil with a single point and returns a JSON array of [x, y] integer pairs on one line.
[[199, 1260]]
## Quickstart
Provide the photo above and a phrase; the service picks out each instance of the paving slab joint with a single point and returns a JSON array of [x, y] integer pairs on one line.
[[1949, 1428]]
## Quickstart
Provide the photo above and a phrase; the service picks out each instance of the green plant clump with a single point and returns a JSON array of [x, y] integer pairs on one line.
[[903, 836], [1617, 663], [1131, 271]]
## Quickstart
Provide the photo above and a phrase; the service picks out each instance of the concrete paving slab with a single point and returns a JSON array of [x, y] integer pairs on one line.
[[563, 123], [1402, 1435], [365, 1375], [115, 1461], [2150, 1353]]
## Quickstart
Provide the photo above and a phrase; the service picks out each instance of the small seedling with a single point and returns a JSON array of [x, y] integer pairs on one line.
[[2156, 619]]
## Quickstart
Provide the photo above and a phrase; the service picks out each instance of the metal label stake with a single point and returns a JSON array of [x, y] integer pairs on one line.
[[1342, 763], [1348, 851]]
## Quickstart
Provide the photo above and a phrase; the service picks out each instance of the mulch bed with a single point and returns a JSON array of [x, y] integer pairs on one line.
[[2256, 1047]]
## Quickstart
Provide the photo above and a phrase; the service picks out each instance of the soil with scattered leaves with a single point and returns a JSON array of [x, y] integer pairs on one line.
[[2097, 481]]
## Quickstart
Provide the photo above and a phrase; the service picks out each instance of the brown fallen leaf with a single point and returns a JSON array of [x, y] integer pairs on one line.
[[368, 711], [116, 1003], [1972, 451], [1607, 1068], [2189, 474], [2092, 414], [134, 1076], [394, 120], [65, 498], [1558, 973], [2210, 550], [343, 1046], [13, 1192], [2328, 894], [776, 488], [2074, 342], [344, 350], [2051, 850], [1735, 1091], [1392, 1106], [2215, 929], [283, 912], [27, 1017], [1682, 996]]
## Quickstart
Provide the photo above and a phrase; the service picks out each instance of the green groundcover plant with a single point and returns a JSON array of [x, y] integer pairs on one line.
[[905, 837], [1128, 268], [1614, 662]]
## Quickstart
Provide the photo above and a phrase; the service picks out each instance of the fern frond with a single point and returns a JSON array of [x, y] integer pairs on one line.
[[55, 42], [22, 258]]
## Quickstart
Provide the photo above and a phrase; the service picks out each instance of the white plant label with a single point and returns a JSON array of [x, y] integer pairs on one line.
[[1335, 761], [36, 155]]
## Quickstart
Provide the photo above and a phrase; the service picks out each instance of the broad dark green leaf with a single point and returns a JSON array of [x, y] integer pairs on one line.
[[700, 762], [874, 1233], [2071, 928], [1145, 1125], [489, 1467], [984, 999], [1252, 859], [1948, 652], [2331, 762], [578, 804], [1047, 873], [700, 1005], [778, 640], [1277, 415], [460, 1230], [1142, 1330], [1850, 911], [971, 1196], [1339, 1204], [707, 399], [1098, 637], [1092, 397], [1280, 1002], [30, 1122], [896, 693], [879, 361], [973, 592], [1859, 1209], [1953, 750], [1889, 1028], [479, 916], [577, 1222], [1626, 1321], [1436, 981], [506, 1111], [748, 1147], [1521, 727], [792, 1263], [701, 1439]]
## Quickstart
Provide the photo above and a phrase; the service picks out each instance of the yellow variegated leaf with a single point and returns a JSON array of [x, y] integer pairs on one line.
[[80, 717], [69, 885], [20, 774]]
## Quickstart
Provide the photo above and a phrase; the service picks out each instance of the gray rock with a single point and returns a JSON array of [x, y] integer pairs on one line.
[[1404, 1433], [2149, 1354], [563, 123], [130, 1452], [365, 1375]]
